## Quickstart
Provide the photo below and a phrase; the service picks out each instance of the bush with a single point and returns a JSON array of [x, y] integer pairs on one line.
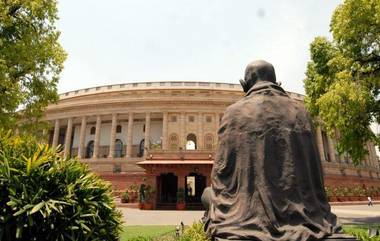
[[46, 197], [125, 197], [194, 233]]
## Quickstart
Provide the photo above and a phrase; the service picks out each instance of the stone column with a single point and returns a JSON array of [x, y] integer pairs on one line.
[[200, 143], [320, 144], [374, 156], [130, 135], [181, 180], [69, 132], [217, 124], [56, 133], [165, 131], [331, 149], [147, 133], [82, 138], [182, 141], [113, 136], [97, 136]]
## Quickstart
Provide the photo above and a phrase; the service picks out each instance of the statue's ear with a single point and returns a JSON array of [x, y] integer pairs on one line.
[[245, 85]]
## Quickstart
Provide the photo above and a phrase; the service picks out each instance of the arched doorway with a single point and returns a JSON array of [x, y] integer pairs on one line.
[[90, 149], [141, 148], [118, 148], [194, 185], [191, 142], [167, 185]]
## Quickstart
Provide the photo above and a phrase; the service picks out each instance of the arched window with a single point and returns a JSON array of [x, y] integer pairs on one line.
[[92, 130], [118, 148], [141, 148], [173, 141], [90, 149], [118, 129], [191, 142], [209, 141]]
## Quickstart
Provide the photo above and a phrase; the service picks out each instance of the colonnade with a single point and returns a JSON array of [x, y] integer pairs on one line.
[[327, 151], [129, 137]]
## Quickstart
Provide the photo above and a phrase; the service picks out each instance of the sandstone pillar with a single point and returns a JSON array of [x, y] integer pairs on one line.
[[56, 133], [200, 144], [331, 149], [147, 133], [320, 144], [217, 124], [165, 131], [69, 131], [130, 135], [97, 137], [82, 138], [113, 136], [182, 141]]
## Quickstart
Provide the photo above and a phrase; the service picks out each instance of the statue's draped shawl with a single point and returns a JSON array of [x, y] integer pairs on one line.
[[267, 179]]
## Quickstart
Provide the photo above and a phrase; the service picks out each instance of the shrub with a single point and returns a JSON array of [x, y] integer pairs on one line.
[[46, 197], [195, 233], [125, 197]]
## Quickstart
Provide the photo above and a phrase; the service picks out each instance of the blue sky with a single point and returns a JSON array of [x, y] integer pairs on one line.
[[123, 41]]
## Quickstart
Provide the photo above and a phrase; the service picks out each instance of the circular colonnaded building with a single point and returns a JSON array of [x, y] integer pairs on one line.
[[165, 134]]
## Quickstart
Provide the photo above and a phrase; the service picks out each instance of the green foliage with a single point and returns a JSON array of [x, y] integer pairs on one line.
[[194, 233], [46, 197], [30, 60], [343, 77], [361, 232], [149, 191], [125, 197]]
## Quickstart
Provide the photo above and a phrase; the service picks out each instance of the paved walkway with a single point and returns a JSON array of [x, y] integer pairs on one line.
[[346, 214]]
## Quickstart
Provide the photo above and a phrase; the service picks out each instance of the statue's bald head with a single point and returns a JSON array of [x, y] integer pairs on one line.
[[258, 70]]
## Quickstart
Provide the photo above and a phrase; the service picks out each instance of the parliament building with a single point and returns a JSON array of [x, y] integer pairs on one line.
[[165, 134]]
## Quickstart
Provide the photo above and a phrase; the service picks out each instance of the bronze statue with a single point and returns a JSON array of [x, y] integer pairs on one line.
[[267, 181]]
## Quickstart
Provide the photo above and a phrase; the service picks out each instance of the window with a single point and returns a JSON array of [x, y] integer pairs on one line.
[[92, 130], [141, 148], [208, 118], [118, 148], [173, 118], [118, 129], [191, 118], [90, 149], [191, 142]]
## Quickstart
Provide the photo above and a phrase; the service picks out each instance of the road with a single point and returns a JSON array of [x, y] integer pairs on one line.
[[346, 214]]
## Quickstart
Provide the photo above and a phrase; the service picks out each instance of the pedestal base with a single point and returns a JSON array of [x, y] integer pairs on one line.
[[340, 237], [335, 237]]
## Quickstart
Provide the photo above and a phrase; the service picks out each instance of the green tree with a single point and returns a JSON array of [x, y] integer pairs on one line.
[[30, 60], [343, 77]]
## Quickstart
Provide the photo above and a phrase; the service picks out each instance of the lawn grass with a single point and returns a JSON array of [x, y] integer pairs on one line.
[[146, 232], [360, 231], [167, 232]]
